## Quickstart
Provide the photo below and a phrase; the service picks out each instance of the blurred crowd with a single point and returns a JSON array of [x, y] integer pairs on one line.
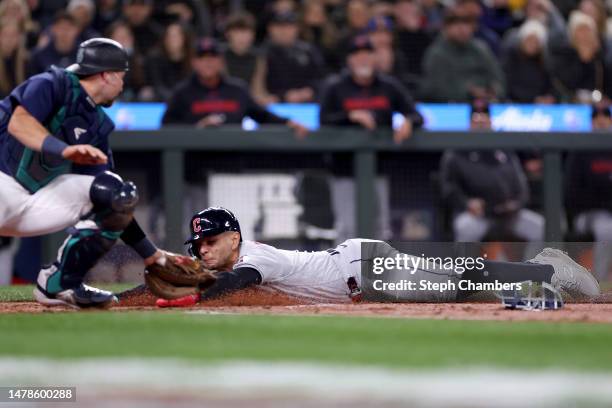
[[524, 51]]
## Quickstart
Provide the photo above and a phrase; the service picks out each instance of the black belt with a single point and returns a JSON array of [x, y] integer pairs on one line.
[[354, 290]]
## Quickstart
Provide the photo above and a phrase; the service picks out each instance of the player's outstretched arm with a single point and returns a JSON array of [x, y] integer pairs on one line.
[[227, 282], [32, 134]]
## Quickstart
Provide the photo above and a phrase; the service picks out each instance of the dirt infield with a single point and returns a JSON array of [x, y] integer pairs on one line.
[[253, 301]]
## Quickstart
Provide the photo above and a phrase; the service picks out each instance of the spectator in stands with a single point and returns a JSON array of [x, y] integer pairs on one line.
[[146, 32], [107, 12], [412, 38], [18, 12], [293, 67], [241, 57], [14, 56], [546, 13], [43, 12], [170, 63], [83, 12], [265, 12], [473, 10], [528, 78], [596, 9], [358, 14], [360, 96], [589, 193], [487, 191], [317, 29], [389, 60], [497, 16], [284, 6], [209, 99], [458, 67], [191, 13], [433, 11], [382, 8], [579, 66], [134, 81], [61, 50]]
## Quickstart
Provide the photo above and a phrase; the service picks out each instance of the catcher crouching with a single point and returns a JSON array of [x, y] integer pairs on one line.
[[222, 262]]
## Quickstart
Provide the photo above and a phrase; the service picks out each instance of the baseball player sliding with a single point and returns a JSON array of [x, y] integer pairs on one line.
[[55, 164], [335, 275]]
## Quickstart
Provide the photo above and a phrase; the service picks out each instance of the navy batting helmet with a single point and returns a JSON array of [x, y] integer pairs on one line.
[[99, 55], [210, 222]]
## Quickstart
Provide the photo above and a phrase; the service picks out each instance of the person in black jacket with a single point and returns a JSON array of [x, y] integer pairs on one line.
[[208, 98], [61, 49], [528, 78], [488, 189], [360, 96], [293, 67]]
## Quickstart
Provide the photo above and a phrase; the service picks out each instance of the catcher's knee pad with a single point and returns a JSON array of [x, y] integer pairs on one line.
[[114, 201], [80, 252]]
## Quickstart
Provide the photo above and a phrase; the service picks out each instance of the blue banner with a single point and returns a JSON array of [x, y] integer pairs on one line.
[[438, 117], [541, 118]]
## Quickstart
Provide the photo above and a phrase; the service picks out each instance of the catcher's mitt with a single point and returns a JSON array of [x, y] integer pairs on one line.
[[175, 276]]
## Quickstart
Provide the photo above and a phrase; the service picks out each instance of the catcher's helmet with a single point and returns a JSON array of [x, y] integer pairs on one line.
[[99, 55], [210, 222]]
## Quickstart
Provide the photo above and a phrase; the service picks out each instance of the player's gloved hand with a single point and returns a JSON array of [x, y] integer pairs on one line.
[[175, 276], [185, 301], [84, 154]]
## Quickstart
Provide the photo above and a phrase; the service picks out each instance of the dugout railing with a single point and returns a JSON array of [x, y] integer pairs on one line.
[[173, 144]]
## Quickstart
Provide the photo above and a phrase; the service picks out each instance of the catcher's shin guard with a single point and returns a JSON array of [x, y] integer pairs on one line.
[[80, 252]]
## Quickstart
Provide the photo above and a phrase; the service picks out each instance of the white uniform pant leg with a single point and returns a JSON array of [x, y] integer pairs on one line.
[[469, 228], [599, 222], [53, 208], [528, 225]]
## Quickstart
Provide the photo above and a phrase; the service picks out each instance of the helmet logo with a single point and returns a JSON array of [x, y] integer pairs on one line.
[[78, 132], [196, 225]]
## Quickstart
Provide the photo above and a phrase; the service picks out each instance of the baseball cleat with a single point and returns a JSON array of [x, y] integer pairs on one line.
[[81, 297], [185, 301], [569, 276]]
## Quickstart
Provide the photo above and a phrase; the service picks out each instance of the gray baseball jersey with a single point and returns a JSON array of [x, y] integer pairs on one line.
[[320, 275], [323, 275]]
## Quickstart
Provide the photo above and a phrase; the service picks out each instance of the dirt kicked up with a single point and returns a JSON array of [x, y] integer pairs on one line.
[[253, 301]]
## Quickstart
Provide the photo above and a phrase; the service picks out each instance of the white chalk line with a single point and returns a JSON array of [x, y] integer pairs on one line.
[[473, 387]]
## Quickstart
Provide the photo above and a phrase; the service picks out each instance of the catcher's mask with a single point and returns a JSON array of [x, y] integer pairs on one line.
[[532, 296], [208, 223]]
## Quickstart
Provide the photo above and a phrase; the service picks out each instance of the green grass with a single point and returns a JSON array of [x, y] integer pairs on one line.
[[345, 340], [21, 293]]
